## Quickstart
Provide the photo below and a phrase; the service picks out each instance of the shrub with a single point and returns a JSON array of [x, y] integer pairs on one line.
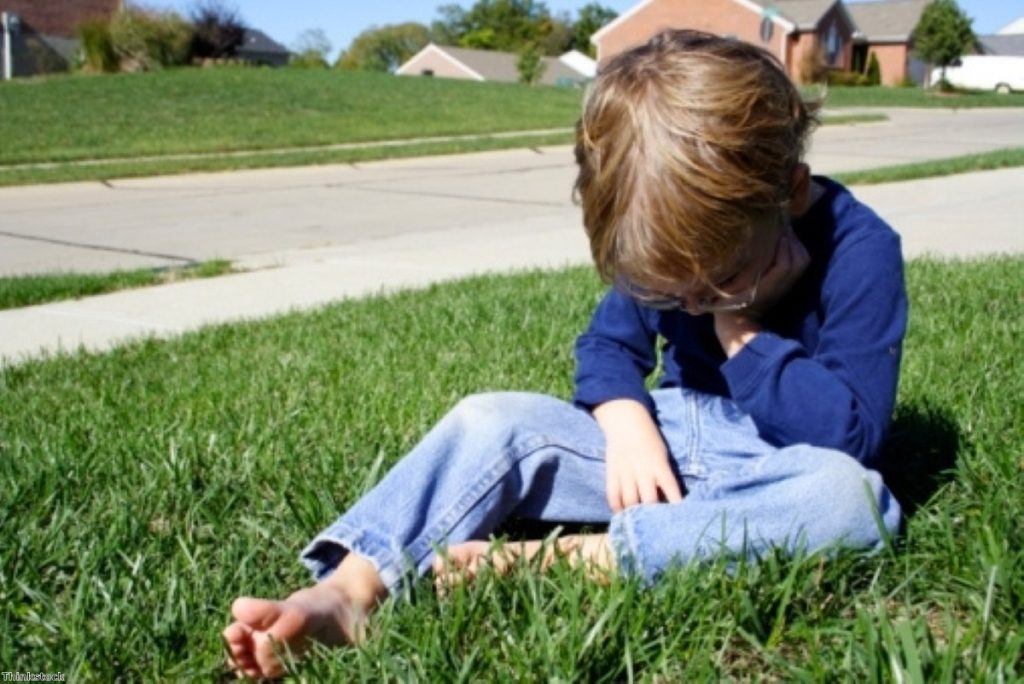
[[846, 78], [145, 39], [97, 47], [812, 65], [874, 72], [218, 31]]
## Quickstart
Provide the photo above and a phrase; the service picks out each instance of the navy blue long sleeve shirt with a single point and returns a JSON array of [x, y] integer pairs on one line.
[[823, 370]]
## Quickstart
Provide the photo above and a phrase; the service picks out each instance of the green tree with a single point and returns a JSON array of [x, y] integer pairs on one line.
[[943, 34], [874, 72], [530, 64], [311, 50], [589, 20], [384, 48], [507, 25]]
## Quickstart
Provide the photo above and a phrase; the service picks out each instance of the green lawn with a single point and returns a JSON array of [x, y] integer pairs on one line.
[[123, 118], [145, 487], [26, 290]]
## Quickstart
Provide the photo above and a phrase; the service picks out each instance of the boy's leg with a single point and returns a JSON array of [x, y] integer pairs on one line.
[[492, 456], [744, 496]]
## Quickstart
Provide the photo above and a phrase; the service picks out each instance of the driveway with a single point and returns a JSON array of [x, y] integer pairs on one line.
[[274, 217]]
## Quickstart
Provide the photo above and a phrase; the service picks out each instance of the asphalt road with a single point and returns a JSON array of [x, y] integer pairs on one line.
[[282, 216]]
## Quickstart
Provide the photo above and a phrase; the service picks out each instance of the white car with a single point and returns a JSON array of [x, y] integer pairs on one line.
[[984, 72]]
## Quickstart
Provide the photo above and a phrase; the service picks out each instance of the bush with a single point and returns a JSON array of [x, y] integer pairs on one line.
[[218, 31], [144, 40], [97, 47], [874, 72], [812, 65], [847, 78]]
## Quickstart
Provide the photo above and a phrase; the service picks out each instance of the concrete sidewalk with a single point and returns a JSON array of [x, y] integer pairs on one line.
[[963, 215]]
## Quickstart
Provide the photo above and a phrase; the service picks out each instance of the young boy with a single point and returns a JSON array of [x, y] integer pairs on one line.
[[778, 304]]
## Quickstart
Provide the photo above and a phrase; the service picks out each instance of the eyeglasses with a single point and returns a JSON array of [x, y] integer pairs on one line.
[[720, 302]]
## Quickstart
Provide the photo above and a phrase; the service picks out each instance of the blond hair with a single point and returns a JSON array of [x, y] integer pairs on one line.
[[686, 146]]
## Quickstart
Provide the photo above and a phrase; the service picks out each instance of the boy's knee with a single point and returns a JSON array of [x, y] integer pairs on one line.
[[849, 503]]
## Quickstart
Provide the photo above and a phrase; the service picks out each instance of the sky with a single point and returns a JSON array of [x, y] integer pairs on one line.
[[343, 20]]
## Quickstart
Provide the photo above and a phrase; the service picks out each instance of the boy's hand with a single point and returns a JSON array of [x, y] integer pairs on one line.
[[636, 460], [736, 328]]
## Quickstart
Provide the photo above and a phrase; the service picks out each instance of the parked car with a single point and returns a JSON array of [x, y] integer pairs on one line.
[[984, 72]]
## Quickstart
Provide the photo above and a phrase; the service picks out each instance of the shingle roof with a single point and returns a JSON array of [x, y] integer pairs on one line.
[[891, 20], [804, 13], [501, 66], [257, 41], [1009, 44], [60, 17]]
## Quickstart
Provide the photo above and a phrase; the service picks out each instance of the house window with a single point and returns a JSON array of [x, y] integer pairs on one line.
[[767, 26], [427, 72], [833, 44]]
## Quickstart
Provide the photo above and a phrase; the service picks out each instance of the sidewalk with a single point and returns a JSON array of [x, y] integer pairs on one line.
[[956, 216]]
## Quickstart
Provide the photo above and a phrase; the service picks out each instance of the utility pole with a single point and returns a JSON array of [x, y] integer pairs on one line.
[[10, 27]]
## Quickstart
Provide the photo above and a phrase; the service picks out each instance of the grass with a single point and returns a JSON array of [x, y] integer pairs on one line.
[[983, 161], [18, 291], [145, 487], [125, 120]]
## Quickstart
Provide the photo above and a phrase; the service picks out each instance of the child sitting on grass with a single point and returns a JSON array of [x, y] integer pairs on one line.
[[778, 305]]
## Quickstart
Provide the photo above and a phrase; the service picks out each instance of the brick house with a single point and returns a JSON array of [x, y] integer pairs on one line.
[[44, 40], [792, 30], [887, 30]]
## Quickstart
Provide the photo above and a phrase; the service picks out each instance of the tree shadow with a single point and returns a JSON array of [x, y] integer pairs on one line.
[[919, 455]]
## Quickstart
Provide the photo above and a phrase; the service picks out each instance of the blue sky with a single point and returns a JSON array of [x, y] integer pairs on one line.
[[343, 20]]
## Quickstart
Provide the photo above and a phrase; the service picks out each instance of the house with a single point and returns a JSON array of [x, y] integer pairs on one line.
[[445, 61], [42, 32], [795, 31], [1003, 44], [886, 29], [1015, 27], [260, 49]]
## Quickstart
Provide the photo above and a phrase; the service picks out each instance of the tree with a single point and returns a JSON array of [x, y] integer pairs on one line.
[[874, 72], [219, 30], [589, 20], [312, 48], [943, 34], [384, 48], [507, 25], [530, 64]]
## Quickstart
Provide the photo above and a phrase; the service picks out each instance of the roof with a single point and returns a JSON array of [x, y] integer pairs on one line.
[[60, 17], [1014, 27], [1010, 44], [804, 14], [801, 15], [888, 21], [493, 65], [256, 41]]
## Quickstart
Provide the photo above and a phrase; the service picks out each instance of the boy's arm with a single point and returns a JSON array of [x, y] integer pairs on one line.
[[613, 358], [839, 394], [636, 460]]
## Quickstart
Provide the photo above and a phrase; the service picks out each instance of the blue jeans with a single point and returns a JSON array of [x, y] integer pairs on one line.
[[496, 456]]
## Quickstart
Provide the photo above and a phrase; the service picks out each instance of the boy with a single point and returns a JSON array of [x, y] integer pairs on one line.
[[779, 304]]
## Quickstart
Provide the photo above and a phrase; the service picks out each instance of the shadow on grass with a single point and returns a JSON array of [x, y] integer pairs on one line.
[[919, 455]]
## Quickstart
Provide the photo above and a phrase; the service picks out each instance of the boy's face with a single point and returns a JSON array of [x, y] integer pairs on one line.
[[731, 289]]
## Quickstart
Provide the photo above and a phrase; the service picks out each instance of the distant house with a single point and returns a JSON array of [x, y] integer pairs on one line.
[[445, 61], [792, 30], [887, 30], [260, 49], [43, 35], [1015, 27], [1004, 44]]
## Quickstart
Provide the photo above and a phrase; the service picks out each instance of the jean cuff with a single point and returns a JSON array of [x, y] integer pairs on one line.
[[330, 547], [626, 547]]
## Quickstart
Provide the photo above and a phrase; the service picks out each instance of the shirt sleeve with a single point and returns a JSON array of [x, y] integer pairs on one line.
[[841, 392], [615, 354]]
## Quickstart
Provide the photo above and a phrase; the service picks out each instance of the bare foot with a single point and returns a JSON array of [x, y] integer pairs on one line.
[[266, 633], [465, 561]]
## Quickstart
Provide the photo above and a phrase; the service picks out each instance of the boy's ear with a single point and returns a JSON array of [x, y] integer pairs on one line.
[[800, 191]]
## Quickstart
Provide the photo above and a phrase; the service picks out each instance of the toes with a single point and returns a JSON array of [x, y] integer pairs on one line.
[[258, 614]]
